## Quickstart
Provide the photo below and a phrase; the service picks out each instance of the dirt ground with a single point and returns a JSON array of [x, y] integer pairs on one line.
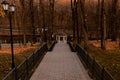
[[110, 45], [17, 50]]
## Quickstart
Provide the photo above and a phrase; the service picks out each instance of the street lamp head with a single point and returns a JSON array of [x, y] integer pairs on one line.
[[5, 5], [12, 7]]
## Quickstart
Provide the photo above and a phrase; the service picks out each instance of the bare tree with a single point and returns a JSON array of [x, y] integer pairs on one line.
[[76, 20], [31, 5], [23, 18], [2, 14], [51, 7], [119, 39], [73, 19], [98, 19], [113, 19], [42, 6], [17, 19], [83, 21], [103, 26]]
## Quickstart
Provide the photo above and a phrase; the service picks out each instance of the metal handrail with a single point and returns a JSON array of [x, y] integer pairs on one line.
[[23, 68], [95, 69]]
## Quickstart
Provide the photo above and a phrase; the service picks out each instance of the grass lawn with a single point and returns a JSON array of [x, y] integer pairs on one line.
[[5, 60], [110, 59]]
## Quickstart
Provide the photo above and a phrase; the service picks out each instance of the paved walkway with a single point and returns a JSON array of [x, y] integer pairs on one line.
[[60, 64]]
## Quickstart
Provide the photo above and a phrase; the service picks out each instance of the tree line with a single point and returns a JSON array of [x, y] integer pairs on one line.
[[32, 17], [102, 15], [84, 18]]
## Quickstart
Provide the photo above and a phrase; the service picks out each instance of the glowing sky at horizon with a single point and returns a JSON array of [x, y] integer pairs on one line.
[[63, 1]]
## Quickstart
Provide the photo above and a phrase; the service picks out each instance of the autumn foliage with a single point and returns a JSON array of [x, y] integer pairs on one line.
[[2, 14]]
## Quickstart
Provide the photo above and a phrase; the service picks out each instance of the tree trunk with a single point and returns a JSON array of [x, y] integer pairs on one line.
[[76, 20], [113, 20], [18, 26], [98, 20], [52, 2], [22, 2], [103, 26], [73, 19], [119, 38], [44, 24], [84, 26], [33, 40]]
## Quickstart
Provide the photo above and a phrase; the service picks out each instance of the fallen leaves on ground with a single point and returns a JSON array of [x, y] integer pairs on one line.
[[17, 50], [110, 45]]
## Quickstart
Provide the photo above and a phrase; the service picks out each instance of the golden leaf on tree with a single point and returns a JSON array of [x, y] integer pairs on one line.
[[2, 13]]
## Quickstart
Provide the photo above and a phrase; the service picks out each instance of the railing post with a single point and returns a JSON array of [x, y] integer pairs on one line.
[[93, 64], [42, 49], [33, 61], [16, 74], [87, 60], [102, 73], [27, 67], [37, 55]]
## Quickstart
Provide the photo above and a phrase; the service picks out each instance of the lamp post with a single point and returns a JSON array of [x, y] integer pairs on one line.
[[10, 12]]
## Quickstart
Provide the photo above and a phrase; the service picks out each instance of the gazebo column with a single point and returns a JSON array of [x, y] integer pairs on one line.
[[58, 38], [64, 39]]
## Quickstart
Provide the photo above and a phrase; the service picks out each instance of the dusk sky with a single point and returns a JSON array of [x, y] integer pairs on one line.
[[63, 1]]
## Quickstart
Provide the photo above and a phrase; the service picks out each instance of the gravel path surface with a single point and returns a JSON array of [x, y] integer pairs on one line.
[[60, 64]]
